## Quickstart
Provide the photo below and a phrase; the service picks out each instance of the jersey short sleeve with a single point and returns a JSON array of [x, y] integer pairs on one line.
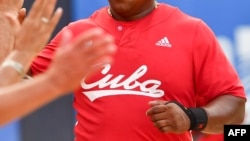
[[214, 74]]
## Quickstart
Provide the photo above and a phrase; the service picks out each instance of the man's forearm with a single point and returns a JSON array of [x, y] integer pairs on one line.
[[224, 110]]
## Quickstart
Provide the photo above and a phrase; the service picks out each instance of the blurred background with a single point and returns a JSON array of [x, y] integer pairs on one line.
[[230, 20]]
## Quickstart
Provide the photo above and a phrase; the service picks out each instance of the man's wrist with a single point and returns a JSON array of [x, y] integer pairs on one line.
[[198, 118]]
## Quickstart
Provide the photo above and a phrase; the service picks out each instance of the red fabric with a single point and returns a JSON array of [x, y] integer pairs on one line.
[[167, 55], [216, 137]]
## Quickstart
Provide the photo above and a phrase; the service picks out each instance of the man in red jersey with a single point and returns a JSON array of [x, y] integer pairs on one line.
[[170, 77]]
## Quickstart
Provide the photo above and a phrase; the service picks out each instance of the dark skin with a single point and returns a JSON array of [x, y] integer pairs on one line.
[[222, 110], [129, 10]]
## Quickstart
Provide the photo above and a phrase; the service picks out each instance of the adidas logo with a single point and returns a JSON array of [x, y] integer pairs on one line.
[[163, 43]]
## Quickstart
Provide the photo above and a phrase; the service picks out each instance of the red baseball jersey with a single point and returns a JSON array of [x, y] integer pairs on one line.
[[166, 55]]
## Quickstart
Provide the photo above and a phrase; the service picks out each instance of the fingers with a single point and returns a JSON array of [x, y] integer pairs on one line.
[[42, 19], [49, 6], [160, 118], [95, 39], [44, 9], [55, 19], [156, 110], [99, 47], [94, 43], [66, 37], [163, 125], [22, 15], [156, 102], [35, 8], [168, 117], [169, 125], [88, 35]]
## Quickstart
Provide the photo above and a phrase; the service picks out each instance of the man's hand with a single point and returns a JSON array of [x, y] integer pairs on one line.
[[12, 7], [25, 37], [168, 117]]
